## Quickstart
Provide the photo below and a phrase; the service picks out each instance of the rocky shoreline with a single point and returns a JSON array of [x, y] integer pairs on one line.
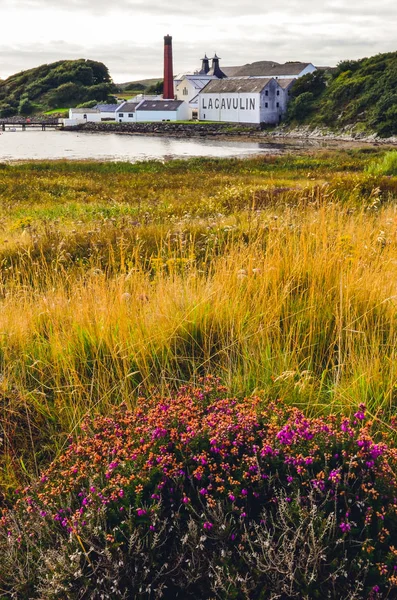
[[224, 131]]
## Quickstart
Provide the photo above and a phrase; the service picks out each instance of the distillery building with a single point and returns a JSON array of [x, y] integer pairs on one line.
[[243, 100]]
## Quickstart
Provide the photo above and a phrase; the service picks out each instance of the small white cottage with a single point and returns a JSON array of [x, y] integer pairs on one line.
[[84, 115], [162, 110], [126, 112]]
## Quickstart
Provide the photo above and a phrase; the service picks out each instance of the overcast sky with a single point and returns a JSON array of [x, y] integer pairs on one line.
[[127, 35]]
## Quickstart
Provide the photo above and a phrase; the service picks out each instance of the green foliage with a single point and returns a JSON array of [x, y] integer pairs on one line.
[[358, 92], [156, 88], [385, 166], [64, 83]]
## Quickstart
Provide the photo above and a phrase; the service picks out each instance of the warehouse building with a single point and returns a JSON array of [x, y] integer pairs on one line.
[[243, 100]]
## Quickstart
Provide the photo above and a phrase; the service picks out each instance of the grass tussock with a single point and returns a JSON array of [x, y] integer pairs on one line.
[[277, 274]]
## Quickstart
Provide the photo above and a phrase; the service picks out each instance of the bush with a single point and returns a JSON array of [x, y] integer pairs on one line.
[[197, 495], [385, 166]]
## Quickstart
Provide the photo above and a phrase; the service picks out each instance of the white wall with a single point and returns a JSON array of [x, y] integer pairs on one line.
[[264, 107], [181, 114], [234, 108], [84, 117], [125, 117]]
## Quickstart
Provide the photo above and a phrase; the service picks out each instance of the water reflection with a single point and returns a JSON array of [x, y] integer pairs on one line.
[[51, 145]]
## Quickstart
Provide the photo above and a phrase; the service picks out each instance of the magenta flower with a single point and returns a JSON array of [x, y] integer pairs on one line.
[[208, 526]]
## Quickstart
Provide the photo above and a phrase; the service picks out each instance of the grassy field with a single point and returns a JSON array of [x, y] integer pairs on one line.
[[274, 273]]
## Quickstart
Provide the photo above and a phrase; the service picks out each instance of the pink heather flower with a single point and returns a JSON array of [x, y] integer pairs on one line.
[[208, 526], [290, 479], [232, 497], [244, 492], [345, 527], [92, 489], [185, 500], [121, 493], [203, 491], [334, 476], [141, 512]]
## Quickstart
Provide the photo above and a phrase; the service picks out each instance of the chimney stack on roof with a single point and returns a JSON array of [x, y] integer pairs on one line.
[[205, 66], [168, 92], [215, 69]]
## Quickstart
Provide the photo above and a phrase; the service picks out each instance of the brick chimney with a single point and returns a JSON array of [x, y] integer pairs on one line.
[[168, 92]]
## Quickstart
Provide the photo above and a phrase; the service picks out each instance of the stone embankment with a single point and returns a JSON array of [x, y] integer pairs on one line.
[[171, 129], [256, 133], [347, 134]]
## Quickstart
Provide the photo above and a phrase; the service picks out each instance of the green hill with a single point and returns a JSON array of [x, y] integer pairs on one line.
[[362, 93], [140, 85], [63, 83]]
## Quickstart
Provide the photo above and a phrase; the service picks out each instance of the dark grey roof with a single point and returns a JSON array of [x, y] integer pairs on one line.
[[235, 85], [107, 107], [158, 105], [266, 68], [128, 107]]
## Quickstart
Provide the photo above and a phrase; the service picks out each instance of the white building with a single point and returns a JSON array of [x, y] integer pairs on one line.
[[126, 112], [162, 110], [242, 100], [108, 111], [83, 115], [188, 89]]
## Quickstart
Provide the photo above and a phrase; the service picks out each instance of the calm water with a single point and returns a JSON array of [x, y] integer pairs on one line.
[[47, 145]]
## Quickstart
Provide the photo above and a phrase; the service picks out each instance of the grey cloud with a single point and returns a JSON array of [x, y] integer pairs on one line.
[[208, 8]]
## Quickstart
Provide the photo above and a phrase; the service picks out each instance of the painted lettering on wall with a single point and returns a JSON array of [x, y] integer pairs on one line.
[[223, 103]]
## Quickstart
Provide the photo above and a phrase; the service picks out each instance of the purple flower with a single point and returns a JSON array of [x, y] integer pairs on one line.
[[345, 527], [141, 512], [203, 491], [208, 526], [232, 497], [244, 492]]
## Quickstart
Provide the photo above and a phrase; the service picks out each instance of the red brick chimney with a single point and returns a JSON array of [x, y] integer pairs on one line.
[[168, 92]]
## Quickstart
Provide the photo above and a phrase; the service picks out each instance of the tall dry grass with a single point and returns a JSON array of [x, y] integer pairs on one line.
[[291, 292]]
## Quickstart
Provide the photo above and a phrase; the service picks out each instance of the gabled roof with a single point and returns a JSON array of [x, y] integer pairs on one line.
[[107, 107], [285, 83], [160, 105], [128, 107], [266, 68], [235, 85]]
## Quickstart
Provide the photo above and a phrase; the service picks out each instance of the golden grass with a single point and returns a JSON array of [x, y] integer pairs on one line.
[[292, 292]]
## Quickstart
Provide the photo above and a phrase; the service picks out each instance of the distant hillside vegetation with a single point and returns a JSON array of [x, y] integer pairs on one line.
[[64, 83], [362, 93], [139, 86]]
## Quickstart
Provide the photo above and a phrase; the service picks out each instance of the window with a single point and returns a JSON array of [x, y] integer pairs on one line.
[[278, 92], [185, 91], [130, 114], [266, 92], [84, 116], [121, 115], [266, 105], [278, 104]]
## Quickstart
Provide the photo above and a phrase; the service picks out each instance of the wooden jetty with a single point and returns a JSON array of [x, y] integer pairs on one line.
[[23, 124]]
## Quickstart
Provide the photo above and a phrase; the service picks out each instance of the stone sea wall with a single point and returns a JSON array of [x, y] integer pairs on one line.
[[171, 129]]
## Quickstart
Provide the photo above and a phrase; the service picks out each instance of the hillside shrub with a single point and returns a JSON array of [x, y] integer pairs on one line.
[[387, 165], [197, 495]]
